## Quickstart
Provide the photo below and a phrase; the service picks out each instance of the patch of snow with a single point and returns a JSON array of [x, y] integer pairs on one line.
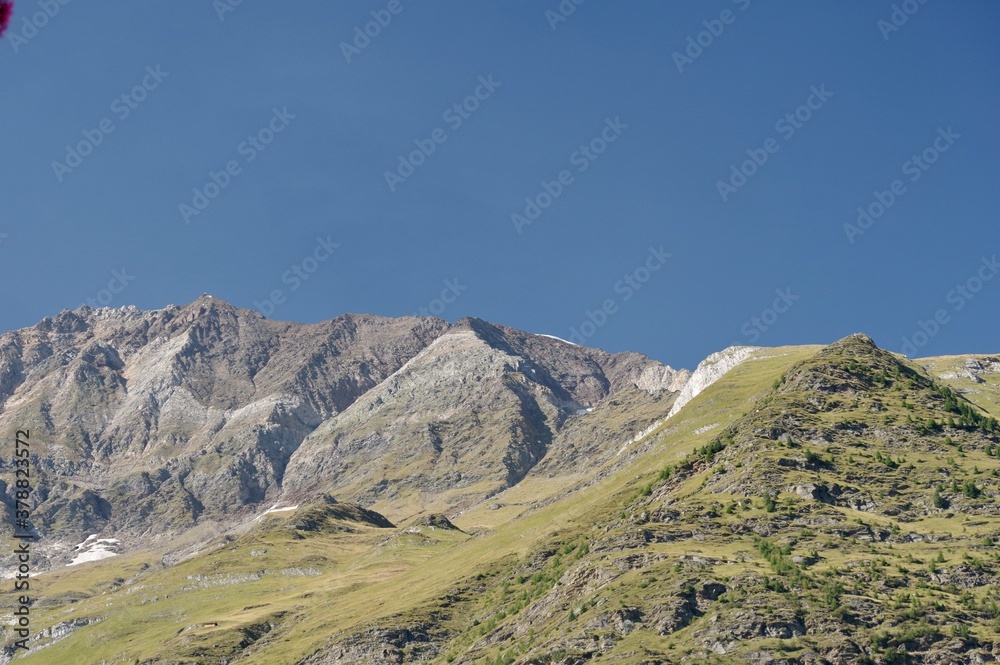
[[584, 410], [275, 509], [560, 339], [94, 549]]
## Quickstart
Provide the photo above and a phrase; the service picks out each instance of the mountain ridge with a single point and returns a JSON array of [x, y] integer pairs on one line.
[[185, 419], [415, 491]]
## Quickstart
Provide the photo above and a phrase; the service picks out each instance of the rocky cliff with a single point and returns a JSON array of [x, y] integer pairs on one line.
[[370, 490], [172, 425]]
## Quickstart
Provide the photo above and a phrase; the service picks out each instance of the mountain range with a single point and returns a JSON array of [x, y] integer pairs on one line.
[[212, 486]]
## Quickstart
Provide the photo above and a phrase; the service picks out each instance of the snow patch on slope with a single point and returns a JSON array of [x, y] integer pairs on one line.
[[557, 338], [275, 509], [94, 549]]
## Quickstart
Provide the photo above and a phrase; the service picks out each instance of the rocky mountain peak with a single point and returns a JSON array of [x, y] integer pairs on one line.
[[66, 322], [801, 505], [210, 305], [207, 412]]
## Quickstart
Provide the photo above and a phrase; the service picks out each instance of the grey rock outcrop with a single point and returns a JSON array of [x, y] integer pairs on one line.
[[165, 426]]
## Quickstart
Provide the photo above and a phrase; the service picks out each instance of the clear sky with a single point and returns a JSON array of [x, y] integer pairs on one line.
[[113, 114]]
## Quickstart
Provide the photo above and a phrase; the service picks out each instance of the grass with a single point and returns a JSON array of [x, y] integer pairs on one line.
[[567, 561]]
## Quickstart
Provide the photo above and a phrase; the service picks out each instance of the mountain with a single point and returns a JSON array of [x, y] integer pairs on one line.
[[371, 490], [166, 428]]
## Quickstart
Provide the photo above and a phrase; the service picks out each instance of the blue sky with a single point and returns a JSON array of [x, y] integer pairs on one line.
[[636, 248]]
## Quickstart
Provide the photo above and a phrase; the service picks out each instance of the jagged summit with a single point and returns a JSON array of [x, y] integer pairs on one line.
[[207, 412], [557, 504]]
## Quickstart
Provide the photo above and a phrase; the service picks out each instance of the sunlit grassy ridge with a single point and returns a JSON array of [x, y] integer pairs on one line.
[[813, 503]]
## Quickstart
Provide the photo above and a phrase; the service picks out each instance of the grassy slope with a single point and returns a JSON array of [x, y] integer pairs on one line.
[[553, 581], [986, 395], [360, 581]]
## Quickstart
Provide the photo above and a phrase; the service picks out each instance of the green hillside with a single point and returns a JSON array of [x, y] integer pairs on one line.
[[815, 505]]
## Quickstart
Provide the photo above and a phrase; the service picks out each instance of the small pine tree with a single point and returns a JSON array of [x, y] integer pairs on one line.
[[970, 490]]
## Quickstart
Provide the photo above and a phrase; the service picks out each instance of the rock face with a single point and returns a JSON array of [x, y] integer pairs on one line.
[[814, 505], [690, 385], [480, 406], [710, 370], [973, 369], [147, 424]]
